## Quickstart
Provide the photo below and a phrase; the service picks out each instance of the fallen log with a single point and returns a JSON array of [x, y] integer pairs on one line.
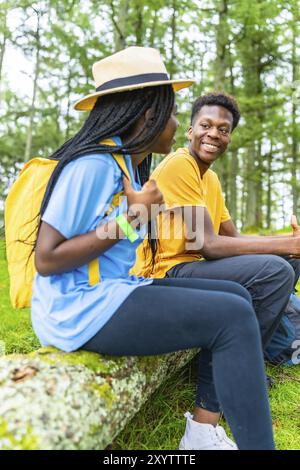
[[51, 400]]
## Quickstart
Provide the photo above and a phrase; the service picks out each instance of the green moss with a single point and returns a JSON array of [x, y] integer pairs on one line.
[[105, 393], [103, 365], [148, 364], [92, 361], [26, 441], [94, 430]]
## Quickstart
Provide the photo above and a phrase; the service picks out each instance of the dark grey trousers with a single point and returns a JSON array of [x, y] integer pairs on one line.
[[269, 279]]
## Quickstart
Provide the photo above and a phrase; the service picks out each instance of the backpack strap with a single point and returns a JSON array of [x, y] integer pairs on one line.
[[94, 272], [93, 266], [119, 158]]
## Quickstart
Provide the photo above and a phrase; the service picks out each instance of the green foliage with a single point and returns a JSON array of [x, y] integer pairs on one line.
[[249, 49]]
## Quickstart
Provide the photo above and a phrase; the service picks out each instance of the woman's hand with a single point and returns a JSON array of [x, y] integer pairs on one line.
[[144, 204]]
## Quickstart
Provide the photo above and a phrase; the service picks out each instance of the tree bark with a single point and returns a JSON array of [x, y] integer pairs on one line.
[[295, 145], [2, 50], [50, 400], [34, 92], [269, 187], [172, 66], [119, 19]]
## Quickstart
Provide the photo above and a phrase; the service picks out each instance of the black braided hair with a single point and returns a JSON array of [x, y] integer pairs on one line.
[[144, 172], [116, 115]]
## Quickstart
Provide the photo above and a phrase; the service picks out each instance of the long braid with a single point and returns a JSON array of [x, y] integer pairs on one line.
[[112, 115], [144, 172]]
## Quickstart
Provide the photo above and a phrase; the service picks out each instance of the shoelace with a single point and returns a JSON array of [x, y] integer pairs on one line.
[[221, 434]]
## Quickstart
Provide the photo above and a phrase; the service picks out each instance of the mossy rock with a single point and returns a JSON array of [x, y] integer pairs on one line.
[[55, 400]]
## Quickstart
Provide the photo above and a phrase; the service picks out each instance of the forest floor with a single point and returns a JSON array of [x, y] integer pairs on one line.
[[160, 423]]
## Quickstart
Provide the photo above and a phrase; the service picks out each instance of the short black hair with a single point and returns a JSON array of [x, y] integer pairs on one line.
[[217, 99]]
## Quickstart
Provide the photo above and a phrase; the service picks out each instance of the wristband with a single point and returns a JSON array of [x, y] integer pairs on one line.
[[129, 232]]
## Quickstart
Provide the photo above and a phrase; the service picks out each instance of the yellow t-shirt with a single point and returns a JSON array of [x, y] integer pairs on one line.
[[178, 177]]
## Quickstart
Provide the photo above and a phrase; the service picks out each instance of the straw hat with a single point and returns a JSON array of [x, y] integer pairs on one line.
[[129, 69]]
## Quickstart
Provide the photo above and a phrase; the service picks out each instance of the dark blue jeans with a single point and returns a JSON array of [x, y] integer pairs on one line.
[[178, 314]]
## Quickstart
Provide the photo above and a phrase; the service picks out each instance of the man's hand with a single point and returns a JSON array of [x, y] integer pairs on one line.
[[296, 232], [295, 226]]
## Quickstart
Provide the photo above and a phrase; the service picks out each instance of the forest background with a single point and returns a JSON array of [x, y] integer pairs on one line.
[[247, 48]]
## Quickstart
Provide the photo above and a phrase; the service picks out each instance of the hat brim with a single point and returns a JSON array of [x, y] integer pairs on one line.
[[88, 102]]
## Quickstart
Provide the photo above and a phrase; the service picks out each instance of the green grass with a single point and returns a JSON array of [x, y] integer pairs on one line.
[[160, 423], [15, 326]]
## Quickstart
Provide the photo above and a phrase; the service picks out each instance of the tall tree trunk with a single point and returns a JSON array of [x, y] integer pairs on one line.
[[253, 88], [172, 66], [232, 200], [269, 187], [119, 19], [251, 199], [153, 29], [220, 65], [294, 146], [139, 32], [2, 50], [34, 92], [243, 201], [234, 159], [67, 117], [258, 186]]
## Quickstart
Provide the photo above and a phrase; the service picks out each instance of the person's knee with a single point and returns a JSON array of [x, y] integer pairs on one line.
[[283, 271], [239, 313], [240, 290], [239, 322]]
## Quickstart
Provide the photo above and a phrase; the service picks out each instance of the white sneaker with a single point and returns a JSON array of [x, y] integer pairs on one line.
[[199, 436]]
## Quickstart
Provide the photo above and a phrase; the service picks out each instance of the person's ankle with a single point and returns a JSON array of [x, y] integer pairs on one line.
[[202, 416]]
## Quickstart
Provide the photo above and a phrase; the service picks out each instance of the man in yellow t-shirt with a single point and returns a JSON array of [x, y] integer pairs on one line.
[[179, 178], [195, 209]]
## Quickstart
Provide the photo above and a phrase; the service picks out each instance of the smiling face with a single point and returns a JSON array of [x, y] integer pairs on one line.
[[209, 134]]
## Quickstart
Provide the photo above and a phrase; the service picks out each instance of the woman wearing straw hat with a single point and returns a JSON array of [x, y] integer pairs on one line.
[[120, 314]]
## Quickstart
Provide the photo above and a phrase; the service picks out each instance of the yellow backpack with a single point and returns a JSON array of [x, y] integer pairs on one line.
[[21, 209]]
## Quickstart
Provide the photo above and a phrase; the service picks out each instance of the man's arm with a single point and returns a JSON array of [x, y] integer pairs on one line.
[[228, 229], [222, 246]]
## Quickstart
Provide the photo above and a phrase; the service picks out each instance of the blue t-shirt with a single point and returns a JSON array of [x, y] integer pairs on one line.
[[65, 310]]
